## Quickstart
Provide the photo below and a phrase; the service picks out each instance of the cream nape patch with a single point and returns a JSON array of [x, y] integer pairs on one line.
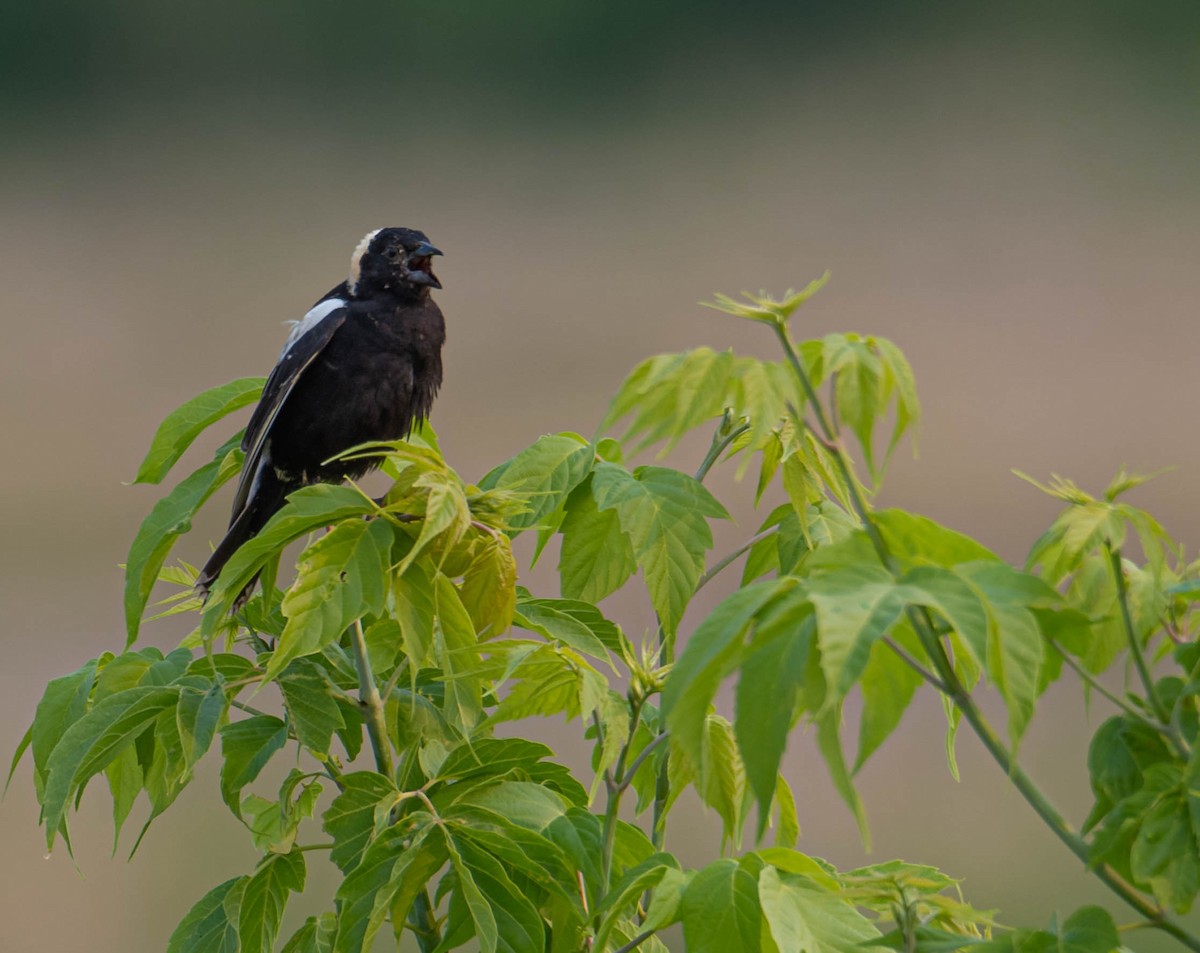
[[356, 259], [315, 316]]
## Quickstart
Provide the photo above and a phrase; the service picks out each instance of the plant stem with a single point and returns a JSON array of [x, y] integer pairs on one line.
[[922, 623], [635, 942], [914, 664], [368, 696], [615, 789], [423, 923], [719, 442], [653, 743], [726, 560], [1095, 685], [1135, 646]]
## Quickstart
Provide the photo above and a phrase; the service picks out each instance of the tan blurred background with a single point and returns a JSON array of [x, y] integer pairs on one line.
[[1007, 191]]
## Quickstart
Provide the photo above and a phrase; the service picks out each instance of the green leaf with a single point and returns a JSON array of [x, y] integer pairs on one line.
[[551, 619], [516, 923], [628, 891], [264, 899], [711, 653], [62, 704], [491, 756], [544, 474], [211, 925], [315, 936], [125, 782], [766, 700], [246, 747], [721, 912], [665, 514], [1014, 648], [314, 714], [168, 520], [197, 716], [489, 586], [803, 917], [350, 819], [339, 579], [395, 866], [596, 557], [919, 541], [856, 606], [307, 509], [92, 742], [829, 742], [1088, 930], [888, 686], [182, 426]]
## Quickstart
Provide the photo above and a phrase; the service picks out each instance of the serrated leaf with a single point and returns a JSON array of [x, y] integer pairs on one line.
[[711, 653], [167, 521], [829, 743], [553, 620], [62, 704], [365, 896], [856, 605], [802, 916], [176, 433], [544, 474], [350, 819], [211, 925], [91, 743], [314, 714], [665, 514], [197, 716], [766, 700], [489, 586], [627, 892], [314, 936], [596, 557], [888, 686], [721, 912], [246, 747], [339, 579], [264, 898], [307, 509]]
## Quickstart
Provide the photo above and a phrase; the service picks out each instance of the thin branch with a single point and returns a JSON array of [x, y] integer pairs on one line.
[[719, 444], [368, 695], [1098, 687], [637, 762], [1135, 645], [635, 942], [922, 623], [615, 790], [741, 550], [915, 665], [242, 706]]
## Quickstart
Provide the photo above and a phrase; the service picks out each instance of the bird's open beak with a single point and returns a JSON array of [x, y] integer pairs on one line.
[[420, 272]]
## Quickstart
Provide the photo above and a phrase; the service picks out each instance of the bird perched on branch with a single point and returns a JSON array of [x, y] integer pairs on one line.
[[363, 365]]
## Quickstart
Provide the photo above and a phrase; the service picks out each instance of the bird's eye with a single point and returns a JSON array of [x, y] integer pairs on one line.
[[390, 254]]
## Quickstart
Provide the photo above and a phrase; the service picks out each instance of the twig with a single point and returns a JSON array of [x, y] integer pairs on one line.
[[368, 694], [635, 942], [1135, 645], [642, 755], [726, 560], [915, 665], [1095, 685]]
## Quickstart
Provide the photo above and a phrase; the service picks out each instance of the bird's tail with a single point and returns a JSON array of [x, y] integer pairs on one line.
[[266, 500]]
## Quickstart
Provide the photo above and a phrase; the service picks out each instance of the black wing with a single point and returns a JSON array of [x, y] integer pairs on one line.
[[292, 364]]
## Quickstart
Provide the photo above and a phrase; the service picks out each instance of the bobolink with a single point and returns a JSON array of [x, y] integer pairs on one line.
[[363, 365]]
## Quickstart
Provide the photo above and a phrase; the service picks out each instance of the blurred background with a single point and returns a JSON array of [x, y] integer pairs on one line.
[[1008, 191]]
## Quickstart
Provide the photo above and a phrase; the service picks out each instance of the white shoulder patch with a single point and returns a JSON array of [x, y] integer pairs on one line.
[[356, 259], [310, 321]]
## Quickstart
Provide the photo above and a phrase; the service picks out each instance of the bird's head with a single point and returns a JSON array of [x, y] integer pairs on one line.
[[396, 259]]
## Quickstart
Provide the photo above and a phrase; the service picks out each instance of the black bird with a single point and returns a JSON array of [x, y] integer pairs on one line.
[[363, 365]]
